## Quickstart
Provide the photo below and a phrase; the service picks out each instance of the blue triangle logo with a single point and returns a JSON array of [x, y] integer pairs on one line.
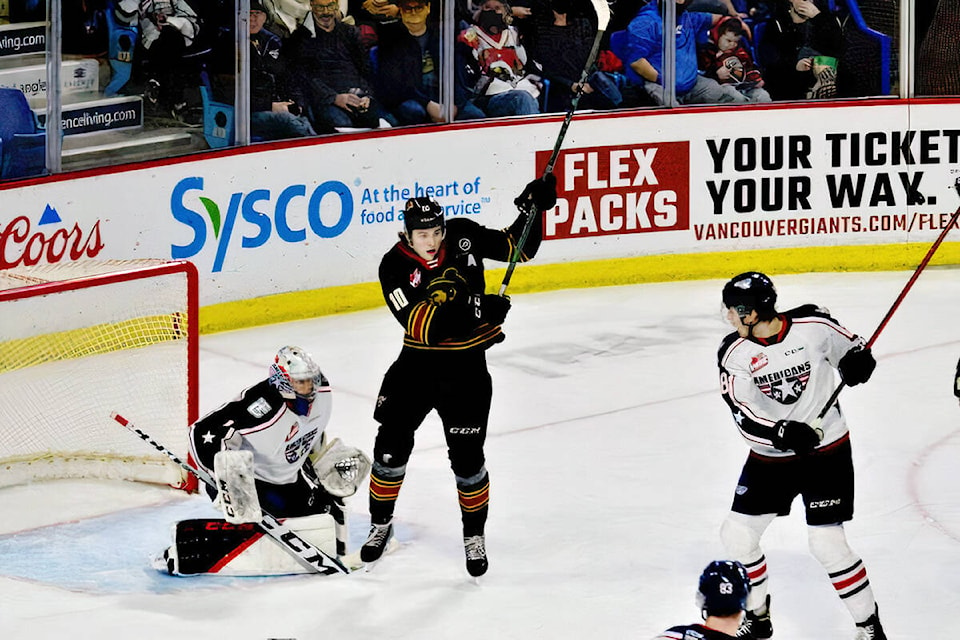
[[50, 216]]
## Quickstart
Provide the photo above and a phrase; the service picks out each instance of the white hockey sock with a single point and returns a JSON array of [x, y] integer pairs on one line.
[[846, 570], [740, 535]]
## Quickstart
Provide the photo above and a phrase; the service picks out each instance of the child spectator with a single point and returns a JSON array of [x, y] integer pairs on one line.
[[725, 59], [505, 82]]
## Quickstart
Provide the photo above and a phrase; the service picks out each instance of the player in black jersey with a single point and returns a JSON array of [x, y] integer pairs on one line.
[[777, 372], [433, 283], [722, 598]]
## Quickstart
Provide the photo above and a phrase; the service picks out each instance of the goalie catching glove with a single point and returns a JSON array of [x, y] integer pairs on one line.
[[340, 469], [796, 436]]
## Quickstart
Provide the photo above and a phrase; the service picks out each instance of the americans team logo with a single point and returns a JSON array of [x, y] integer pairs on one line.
[[785, 386]]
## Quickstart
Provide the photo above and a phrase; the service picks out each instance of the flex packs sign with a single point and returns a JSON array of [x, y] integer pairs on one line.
[[635, 188]]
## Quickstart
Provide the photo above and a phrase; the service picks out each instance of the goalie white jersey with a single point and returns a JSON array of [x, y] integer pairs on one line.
[[261, 421], [789, 376]]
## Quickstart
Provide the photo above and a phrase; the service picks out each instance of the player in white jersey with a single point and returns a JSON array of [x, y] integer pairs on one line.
[[268, 452], [776, 375]]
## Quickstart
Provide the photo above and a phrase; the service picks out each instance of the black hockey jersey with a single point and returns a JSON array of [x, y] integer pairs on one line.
[[692, 632], [405, 278], [260, 421], [789, 376]]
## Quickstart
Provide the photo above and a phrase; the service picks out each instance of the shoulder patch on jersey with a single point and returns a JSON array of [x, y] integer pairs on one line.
[[259, 408], [416, 277], [464, 244]]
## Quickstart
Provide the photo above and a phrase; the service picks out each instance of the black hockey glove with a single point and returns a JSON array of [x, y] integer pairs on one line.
[[856, 366], [542, 192], [493, 308], [956, 383], [797, 436], [448, 287]]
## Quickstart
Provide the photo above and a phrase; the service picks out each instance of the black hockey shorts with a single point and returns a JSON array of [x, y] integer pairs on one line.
[[456, 384], [824, 479]]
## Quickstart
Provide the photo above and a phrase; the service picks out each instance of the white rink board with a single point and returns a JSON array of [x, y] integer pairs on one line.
[[322, 214]]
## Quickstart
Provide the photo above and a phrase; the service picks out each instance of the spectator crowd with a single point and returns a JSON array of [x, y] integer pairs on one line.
[[323, 66]]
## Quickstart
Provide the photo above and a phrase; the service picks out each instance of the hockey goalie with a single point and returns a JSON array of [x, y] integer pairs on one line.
[[268, 453]]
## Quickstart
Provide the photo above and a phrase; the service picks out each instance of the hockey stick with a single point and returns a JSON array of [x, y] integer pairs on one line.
[[896, 303], [312, 558], [603, 19]]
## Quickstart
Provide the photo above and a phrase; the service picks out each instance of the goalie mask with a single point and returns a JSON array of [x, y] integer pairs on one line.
[[291, 369], [751, 291], [723, 588]]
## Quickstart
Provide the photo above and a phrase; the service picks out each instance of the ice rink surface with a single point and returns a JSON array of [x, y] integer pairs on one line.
[[612, 461]]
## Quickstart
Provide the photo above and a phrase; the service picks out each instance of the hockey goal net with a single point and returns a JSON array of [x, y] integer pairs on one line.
[[83, 340]]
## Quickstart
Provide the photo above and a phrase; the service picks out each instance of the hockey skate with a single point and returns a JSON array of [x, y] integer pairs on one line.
[[475, 548], [756, 625], [377, 540], [870, 629]]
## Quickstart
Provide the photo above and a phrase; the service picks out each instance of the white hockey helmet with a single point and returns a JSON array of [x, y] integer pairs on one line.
[[293, 363]]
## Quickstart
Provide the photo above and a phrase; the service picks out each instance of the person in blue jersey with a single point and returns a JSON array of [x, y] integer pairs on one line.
[[777, 373], [722, 598], [433, 283], [644, 56]]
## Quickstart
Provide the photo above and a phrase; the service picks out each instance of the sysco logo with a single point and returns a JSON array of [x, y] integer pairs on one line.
[[23, 245], [261, 213]]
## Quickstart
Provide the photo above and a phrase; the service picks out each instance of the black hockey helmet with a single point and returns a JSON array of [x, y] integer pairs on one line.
[[422, 213], [724, 585], [751, 291]]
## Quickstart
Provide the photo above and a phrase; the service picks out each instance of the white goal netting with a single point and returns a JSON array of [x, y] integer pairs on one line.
[[82, 341]]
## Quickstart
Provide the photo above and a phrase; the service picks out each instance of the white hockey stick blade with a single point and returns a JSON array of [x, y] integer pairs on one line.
[[312, 558], [603, 13]]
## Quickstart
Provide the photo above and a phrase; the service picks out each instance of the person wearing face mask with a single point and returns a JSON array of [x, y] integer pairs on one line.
[[643, 56], [800, 51], [505, 80]]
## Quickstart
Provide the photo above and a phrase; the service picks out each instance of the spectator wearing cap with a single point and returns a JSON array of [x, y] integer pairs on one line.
[[330, 72], [272, 115], [408, 75]]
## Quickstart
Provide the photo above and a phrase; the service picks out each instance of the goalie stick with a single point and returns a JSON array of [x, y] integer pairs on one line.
[[896, 303], [603, 19], [312, 558]]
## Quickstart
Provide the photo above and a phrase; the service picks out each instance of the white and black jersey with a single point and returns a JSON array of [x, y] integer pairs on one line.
[[789, 376], [261, 421]]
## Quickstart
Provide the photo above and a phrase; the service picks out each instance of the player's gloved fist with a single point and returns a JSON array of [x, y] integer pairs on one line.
[[956, 382], [448, 287], [493, 308], [856, 366], [796, 436], [542, 192]]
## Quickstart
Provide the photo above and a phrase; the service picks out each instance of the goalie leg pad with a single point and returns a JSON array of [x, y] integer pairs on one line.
[[218, 547], [237, 492]]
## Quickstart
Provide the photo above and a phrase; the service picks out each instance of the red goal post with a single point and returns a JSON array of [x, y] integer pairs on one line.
[[82, 340]]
